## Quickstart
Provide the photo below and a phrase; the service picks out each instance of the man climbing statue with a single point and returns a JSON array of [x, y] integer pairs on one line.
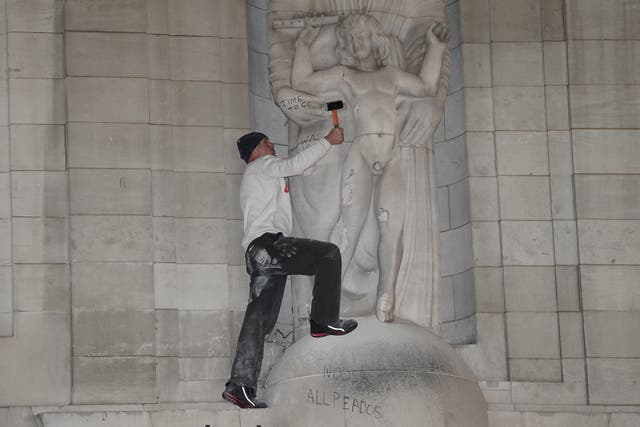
[[271, 255]]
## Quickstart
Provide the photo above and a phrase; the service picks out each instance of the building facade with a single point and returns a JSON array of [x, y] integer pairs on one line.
[[122, 280]]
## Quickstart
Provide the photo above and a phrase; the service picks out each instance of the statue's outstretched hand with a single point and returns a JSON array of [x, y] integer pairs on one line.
[[438, 34]]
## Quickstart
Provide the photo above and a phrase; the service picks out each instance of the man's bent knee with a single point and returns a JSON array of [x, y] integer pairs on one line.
[[333, 252]]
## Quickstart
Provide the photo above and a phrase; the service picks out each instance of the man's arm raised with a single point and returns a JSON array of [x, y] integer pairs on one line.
[[296, 165]]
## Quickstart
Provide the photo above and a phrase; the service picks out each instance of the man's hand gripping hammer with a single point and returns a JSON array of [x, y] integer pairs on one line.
[[334, 107]]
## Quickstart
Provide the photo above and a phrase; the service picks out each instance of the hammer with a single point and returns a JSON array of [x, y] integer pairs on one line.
[[334, 107]]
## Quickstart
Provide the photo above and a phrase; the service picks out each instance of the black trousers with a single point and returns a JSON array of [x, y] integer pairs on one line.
[[270, 259]]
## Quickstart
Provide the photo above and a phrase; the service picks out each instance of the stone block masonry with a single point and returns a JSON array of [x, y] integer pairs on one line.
[[115, 236], [121, 275], [556, 229], [34, 280]]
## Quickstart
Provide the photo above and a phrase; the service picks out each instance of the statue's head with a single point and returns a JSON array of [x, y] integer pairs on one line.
[[360, 37]]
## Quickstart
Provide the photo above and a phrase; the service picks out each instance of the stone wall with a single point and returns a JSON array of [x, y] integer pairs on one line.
[[552, 143], [6, 288], [121, 272], [603, 63], [34, 229], [452, 174]]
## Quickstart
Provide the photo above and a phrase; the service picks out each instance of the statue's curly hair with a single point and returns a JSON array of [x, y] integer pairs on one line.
[[381, 41]]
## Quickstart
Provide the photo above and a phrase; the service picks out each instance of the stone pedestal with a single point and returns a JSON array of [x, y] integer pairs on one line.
[[382, 374]]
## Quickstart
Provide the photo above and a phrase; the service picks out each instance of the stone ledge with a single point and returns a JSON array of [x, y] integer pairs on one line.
[[202, 414], [156, 415], [152, 415], [569, 416], [577, 408]]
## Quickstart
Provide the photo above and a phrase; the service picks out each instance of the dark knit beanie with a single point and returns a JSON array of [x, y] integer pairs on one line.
[[247, 143]]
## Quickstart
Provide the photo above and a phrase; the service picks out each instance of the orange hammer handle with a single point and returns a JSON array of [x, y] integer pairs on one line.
[[335, 118]]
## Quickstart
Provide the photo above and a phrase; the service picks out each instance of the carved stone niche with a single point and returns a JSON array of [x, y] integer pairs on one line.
[[375, 197]]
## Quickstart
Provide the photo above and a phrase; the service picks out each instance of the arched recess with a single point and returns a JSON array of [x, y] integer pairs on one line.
[[458, 295]]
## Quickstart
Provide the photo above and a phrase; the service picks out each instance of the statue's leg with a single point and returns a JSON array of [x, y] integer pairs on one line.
[[389, 203], [357, 186]]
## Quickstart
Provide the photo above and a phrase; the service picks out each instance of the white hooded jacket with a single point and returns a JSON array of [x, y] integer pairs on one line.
[[264, 194]]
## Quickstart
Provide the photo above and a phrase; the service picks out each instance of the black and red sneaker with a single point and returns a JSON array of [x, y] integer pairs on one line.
[[244, 397], [341, 327]]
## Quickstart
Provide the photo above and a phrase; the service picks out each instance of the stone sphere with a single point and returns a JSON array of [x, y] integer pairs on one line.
[[382, 374]]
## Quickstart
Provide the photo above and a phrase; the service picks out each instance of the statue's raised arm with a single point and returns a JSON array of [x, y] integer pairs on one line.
[[426, 85], [303, 76]]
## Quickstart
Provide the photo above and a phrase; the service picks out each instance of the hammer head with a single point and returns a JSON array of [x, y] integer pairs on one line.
[[335, 105]]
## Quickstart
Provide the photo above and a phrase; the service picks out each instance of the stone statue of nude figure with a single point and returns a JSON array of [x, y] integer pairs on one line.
[[370, 85]]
